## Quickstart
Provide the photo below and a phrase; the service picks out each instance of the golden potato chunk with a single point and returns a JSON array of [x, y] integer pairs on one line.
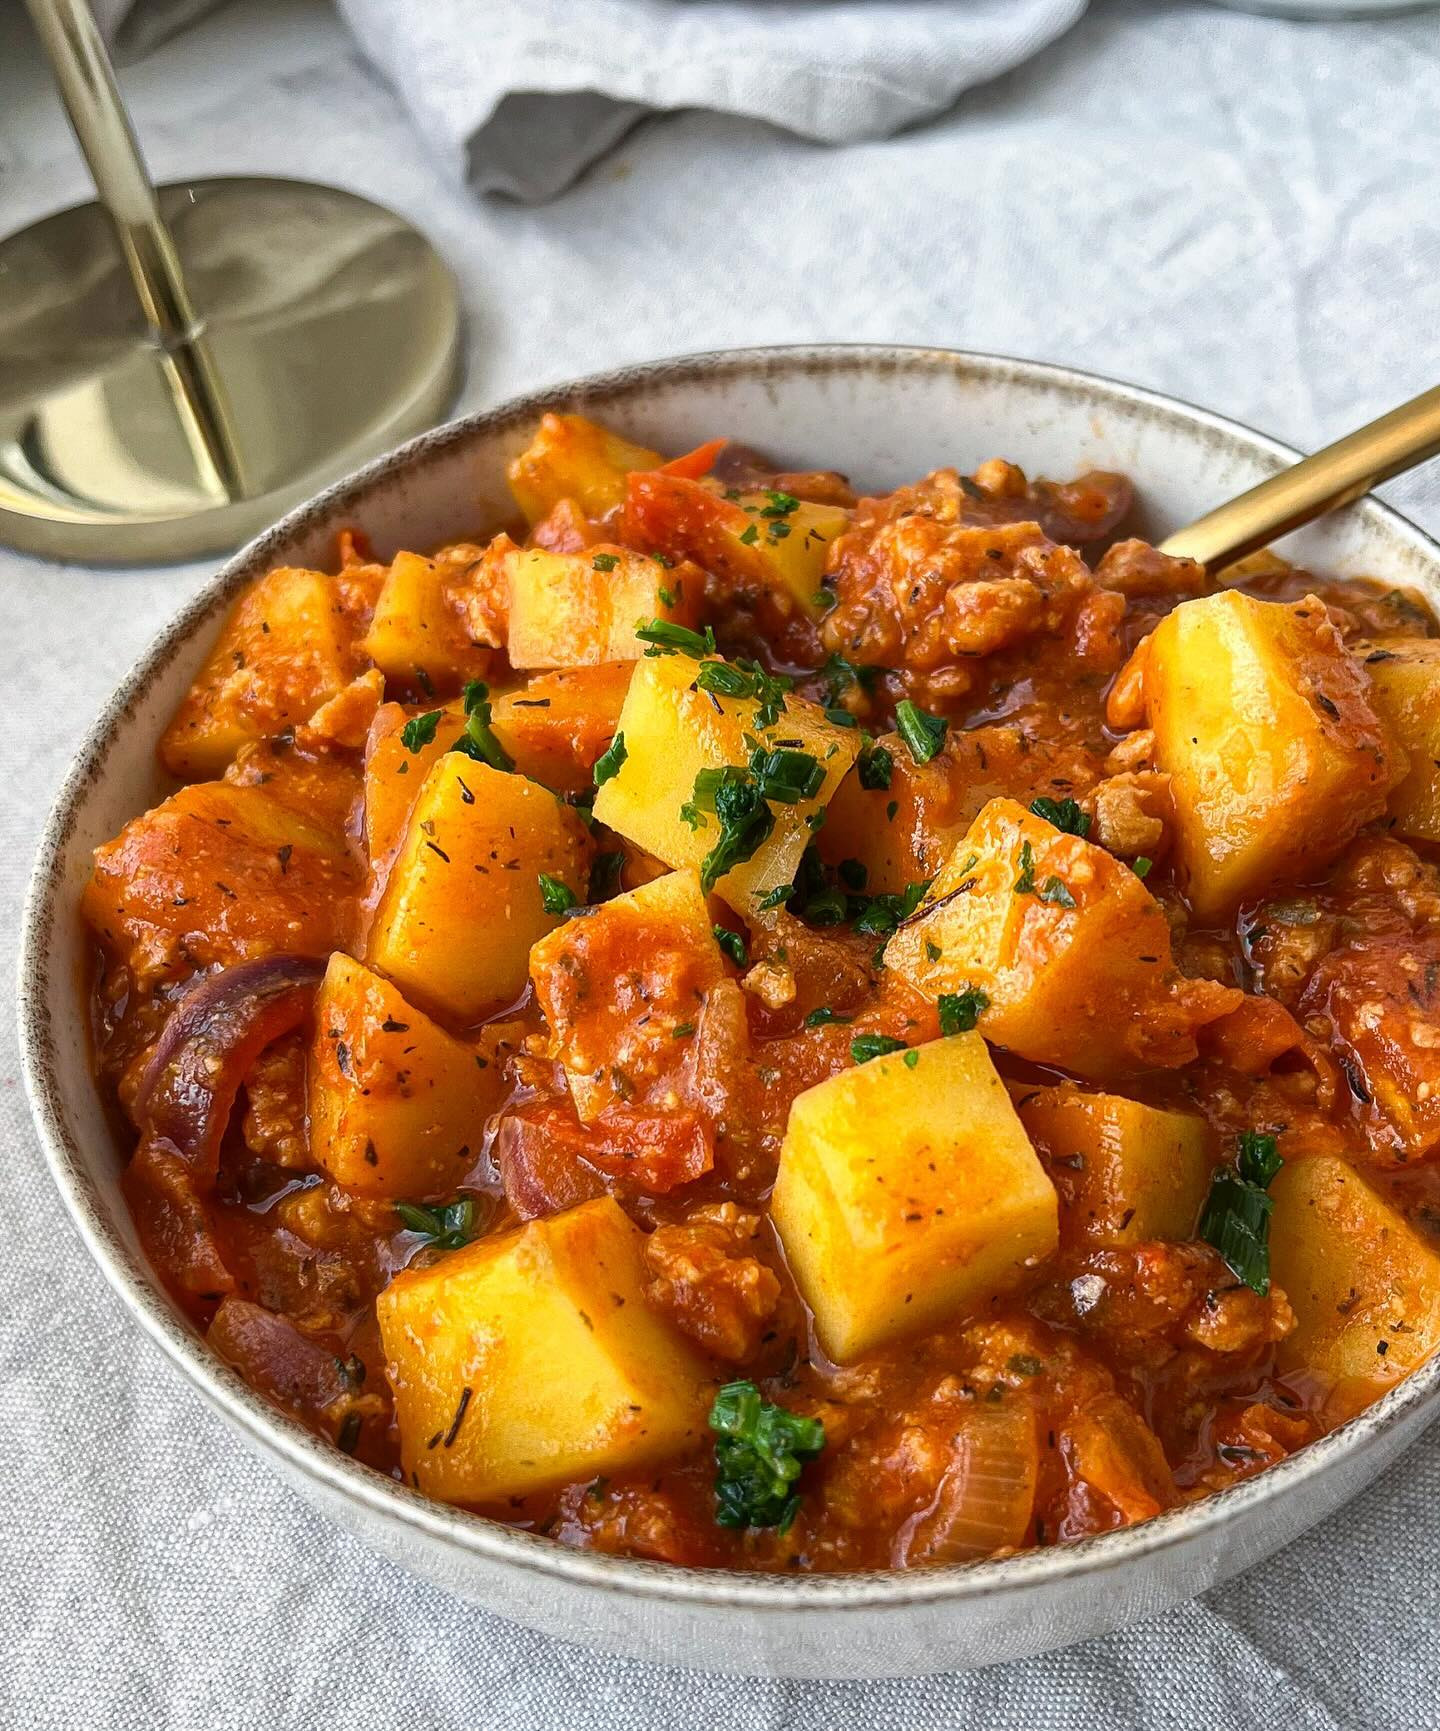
[[908, 1193], [219, 874], [1268, 729], [554, 727], [905, 831], [767, 542], [622, 988], [572, 458], [583, 609], [672, 731], [1405, 678], [1125, 1173], [557, 725], [1067, 944], [397, 1106], [416, 635], [287, 647], [463, 902], [1363, 1283], [531, 1359]]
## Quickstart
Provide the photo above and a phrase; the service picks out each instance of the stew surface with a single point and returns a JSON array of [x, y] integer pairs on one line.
[[765, 1028]]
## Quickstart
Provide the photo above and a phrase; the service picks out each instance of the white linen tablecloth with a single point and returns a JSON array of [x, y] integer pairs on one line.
[[1235, 209]]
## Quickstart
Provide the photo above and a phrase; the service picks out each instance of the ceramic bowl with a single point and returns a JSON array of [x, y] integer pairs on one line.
[[883, 415]]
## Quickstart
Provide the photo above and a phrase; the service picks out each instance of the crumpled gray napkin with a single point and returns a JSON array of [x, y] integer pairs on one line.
[[520, 96]]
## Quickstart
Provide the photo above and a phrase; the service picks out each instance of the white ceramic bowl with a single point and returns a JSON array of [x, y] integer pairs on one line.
[[884, 416]]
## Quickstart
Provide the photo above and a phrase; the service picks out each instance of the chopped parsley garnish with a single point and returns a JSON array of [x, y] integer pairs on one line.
[[881, 914], [959, 1011], [1056, 891], [1236, 1215], [735, 797], [781, 504], [874, 767], [665, 637], [760, 1450], [478, 740], [775, 898], [840, 718], [864, 1047], [746, 679], [1065, 814], [605, 561], [1141, 866], [787, 776], [854, 874], [419, 731], [1257, 1158], [1025, 883], [733, 944], [667, 596], [825, 1017], [723, 679], [749, 535], [443, 1228], [923, 734], [611, 761], [840, 674], [558, 897], [827, 907], [911, 1060]]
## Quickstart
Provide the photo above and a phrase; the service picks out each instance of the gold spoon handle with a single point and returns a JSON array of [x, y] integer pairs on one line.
[[1332, 477]]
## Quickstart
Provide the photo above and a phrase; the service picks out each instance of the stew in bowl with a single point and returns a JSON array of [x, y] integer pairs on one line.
[[745, 1025]]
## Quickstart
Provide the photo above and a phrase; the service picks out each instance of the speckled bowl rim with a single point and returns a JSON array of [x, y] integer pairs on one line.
[[384, 1497]]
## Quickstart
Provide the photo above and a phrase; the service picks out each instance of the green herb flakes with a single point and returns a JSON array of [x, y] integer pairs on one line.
[[760, 1451], [419, 731]]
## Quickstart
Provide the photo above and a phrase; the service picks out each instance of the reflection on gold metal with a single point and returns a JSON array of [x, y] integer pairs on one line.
[[92, 100], [1332, 477], [178, 366]]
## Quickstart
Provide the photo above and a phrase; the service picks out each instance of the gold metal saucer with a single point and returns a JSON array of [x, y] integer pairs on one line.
[[323, 329]]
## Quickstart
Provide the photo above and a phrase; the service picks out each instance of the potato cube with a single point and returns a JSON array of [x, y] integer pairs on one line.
[[397, 1105], [1067, 944], [673, 731], [219, 874], [1405, 680], [554, 728], [652, 947], [572, 458], [905, 831], [1364, 1285], [1125, 1173], [909, 1193], [394, 774], [1268, 730], [901, 832], [557, 725], [531, 1359], [582, 609], [463, 902], [761, 541], [416, 636], [287, 646]]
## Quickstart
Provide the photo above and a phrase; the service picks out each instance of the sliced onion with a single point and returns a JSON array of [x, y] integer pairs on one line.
[[987, 1495], [214, 1034], [184, 1101]]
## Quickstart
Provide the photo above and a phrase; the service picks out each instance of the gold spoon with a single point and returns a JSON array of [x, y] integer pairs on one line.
[[1331, 478]]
